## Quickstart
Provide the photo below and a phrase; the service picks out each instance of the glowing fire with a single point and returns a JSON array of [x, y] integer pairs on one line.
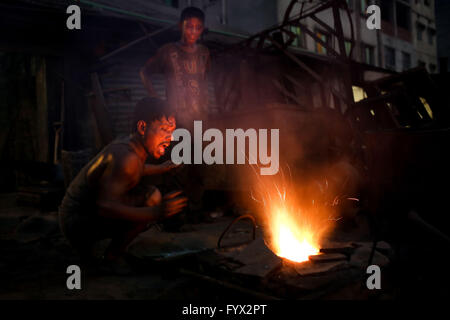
[[289, 241], [293, 228]]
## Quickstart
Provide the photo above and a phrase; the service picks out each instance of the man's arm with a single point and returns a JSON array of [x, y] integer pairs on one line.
[[123, 175], [152, 169]]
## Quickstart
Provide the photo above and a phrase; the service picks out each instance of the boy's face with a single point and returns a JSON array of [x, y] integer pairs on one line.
[[191, 30]]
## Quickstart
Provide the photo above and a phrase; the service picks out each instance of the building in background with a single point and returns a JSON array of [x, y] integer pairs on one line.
[[366, 40], [442, 9], [228, 16], [424, 24], [407, 38]]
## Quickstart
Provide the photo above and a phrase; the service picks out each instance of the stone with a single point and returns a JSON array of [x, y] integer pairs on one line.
[[337, 247], [257, 259], [309, 268]]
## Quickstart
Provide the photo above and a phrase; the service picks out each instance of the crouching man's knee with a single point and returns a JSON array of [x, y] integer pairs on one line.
[[153, 197]]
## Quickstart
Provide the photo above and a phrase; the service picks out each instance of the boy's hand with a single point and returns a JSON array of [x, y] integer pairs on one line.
[[172, 203]]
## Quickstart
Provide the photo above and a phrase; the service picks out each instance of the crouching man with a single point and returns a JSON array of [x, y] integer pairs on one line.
[[105, 199]]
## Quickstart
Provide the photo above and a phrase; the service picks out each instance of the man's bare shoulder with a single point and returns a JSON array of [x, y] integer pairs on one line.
[[123, 157]]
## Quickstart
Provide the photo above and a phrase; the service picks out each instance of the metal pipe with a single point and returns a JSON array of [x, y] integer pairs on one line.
[[132, 43], [414, 216], [247, 216], [152, 19], [224, 12]]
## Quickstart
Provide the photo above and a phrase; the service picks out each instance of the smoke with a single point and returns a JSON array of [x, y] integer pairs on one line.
[[316, 144]]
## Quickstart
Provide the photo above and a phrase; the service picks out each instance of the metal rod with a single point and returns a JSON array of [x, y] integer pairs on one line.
[[224, 12], [247, 216], [144, 29], [317, 39], [338, 28], [323, 7], [146, 17], [414, 216], [310, 71], [132, 43]]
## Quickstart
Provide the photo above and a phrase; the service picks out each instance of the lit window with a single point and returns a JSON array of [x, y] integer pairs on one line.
[[319, 47], [363, 6], [427, 107], [298, 41], [369, 55], [348, 46], [358, 93]]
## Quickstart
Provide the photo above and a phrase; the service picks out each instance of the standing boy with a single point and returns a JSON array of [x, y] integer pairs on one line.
[[184, 64]]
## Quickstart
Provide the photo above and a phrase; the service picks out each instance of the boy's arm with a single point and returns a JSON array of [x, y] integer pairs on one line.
[[208, 60], [145, 78], [153, 65]]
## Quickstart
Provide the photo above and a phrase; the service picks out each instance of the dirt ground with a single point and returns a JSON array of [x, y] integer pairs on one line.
[[35, 256]]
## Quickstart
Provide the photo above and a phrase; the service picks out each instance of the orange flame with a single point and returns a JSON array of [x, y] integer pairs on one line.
[[289, 240], [293, 229]]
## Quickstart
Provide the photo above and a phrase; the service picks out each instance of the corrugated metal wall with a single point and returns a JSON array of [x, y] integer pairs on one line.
[[124, 73]]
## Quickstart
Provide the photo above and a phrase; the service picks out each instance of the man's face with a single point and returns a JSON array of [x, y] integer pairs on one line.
[[191, 30], [158, 135]]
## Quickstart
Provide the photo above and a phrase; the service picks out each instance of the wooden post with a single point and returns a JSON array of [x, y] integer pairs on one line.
[[41, 111], [102, 118]]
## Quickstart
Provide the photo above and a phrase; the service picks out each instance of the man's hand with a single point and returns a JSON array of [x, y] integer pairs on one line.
[[169, 165], [172, 203]]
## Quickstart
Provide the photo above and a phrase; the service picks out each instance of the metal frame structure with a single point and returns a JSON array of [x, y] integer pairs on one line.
[[269, 38]]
